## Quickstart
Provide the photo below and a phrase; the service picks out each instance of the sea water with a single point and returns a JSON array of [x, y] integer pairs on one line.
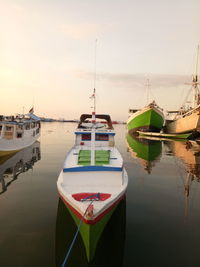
[[157, 224]]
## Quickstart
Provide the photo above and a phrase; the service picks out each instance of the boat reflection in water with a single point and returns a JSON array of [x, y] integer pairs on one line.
[[12, 165], [147, 151], [110, 248], [188, 153]]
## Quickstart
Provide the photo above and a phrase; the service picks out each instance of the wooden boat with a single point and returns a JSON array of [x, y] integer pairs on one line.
[[18, 132], [187, 120], [166, 136], [148, 119], [93, 180]]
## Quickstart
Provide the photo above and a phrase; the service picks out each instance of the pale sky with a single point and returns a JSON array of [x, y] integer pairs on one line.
[[47, 54]]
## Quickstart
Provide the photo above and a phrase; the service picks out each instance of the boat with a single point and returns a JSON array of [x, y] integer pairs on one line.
[[12, 165], [187, 119], [165, 136], [93, 180], [146, 151], [148, 119], [110, 249], [18, 132]]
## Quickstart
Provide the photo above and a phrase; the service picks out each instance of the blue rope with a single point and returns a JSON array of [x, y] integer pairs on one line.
[[79, 226]]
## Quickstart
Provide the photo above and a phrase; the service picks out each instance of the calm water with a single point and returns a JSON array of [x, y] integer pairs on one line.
[[158, 224]]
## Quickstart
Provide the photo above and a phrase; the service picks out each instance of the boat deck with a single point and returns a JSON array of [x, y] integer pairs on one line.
[[101, 157], [80, 156]]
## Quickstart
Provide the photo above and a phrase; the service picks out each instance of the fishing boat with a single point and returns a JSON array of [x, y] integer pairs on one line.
[[187, 119], [146, 151], [148, 119], [18, 132], [93, 180]]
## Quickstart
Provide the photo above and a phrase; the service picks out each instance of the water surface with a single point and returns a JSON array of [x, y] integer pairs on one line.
[[157, 225]]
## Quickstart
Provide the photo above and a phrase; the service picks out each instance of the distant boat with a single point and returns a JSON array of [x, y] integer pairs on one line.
[[187, 119], [146, 151], [148, 119], [12, 165], [93, 180], [18, 132]]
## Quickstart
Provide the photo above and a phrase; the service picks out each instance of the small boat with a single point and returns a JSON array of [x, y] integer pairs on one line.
[[93, 180], [148, 119], [18, 132], [166, 136], [187, 119]]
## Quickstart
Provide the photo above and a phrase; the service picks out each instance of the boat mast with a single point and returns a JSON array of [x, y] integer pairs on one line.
[[94, 112], [148, 87], [195, 82]]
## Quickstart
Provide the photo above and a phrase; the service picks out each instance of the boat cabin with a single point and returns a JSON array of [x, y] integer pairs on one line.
[[15, 127], [104, 132]]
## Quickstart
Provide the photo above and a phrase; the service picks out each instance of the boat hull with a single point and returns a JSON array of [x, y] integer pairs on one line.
[[92, 226], [91, 230], [189, 123], [146, 120], [15, 145]]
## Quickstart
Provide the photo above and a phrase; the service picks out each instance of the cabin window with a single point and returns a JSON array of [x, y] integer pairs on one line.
[[27, 126], [19, 135], [9, 128], [19, 127], [86, 137], [101, 137]]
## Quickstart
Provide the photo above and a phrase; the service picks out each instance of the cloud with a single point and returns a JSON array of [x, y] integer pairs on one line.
[[83, 30], [136, 80]]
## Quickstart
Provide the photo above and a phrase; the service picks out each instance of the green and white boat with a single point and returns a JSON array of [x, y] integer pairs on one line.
[[148, 119], [93, 180]]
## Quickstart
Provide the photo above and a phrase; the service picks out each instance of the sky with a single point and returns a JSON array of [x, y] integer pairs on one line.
[[47, 55]]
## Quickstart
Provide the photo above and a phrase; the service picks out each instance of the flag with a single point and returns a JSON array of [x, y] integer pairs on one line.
[[92, 96], [31, 110]]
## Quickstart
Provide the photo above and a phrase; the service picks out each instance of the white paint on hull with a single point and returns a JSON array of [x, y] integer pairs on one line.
[[185, 124]]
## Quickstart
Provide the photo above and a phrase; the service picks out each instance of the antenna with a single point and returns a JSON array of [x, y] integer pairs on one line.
[[147, 86], [197, 62], [95, 75]]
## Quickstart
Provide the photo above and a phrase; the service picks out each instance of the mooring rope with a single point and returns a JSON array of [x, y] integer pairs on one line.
[[79, 226]]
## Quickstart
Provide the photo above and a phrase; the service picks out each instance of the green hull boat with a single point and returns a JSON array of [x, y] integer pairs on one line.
[[149, 119]]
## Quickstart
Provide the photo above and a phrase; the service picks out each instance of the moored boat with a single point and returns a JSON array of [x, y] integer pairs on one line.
[[18, 132], [93, 180], [187, 119], [148, 119]]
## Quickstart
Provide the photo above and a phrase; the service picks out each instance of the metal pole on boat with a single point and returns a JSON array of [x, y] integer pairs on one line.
[[92, 162]]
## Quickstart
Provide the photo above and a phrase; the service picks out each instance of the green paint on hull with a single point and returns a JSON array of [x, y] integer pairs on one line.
[[148, 150], [91, 233], [146, 119]]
